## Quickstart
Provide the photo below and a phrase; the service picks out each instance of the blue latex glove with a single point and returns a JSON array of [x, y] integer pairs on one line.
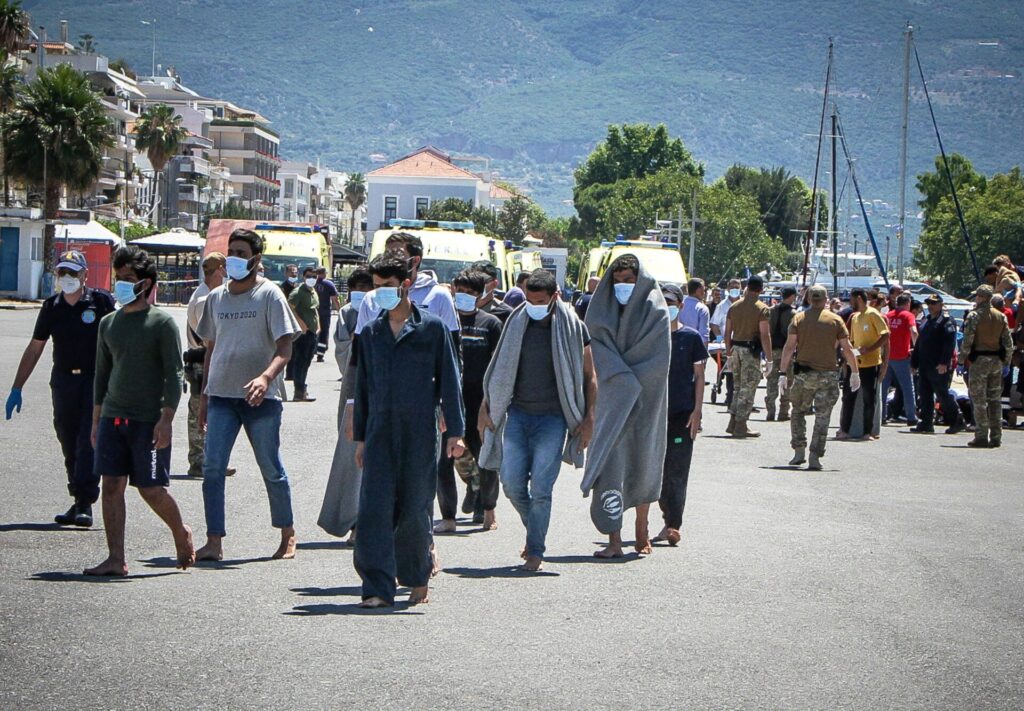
[[13, 402]]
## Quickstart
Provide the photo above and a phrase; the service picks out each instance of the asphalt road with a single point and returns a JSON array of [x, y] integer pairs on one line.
[[893, 579]]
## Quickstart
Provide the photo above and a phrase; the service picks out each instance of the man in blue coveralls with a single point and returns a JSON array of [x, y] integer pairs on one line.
[[406, 368], [72, 319]]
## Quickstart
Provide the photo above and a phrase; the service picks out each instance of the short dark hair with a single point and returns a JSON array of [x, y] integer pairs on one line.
[[310, 268], [142, 266], [359, 277], [387, 265], [521, 278], [991, 269], [413, 244], [321, 269], [874, 294], [895, 287], [291, 266], [903, 300], [541, 280], [626, 261], [858, 293], [254, 241], [788, 291], [755, 284], [472, 279], [693, 285], [486, 267]]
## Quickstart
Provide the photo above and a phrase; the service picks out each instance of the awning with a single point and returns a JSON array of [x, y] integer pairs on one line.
[[91, 232], [175, 239], [126, 86]]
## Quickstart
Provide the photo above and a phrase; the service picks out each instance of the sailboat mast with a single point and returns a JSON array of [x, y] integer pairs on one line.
[[833, 213], [908, 35], [812, 229]]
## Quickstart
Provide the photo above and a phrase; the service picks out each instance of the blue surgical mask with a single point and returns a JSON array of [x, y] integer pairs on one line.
[[538, 312], [238, 268], [124, 292], [623, 292], [293, 280], [673, 313], [356, 298], [734, 293], [387, 297], [465, 302]]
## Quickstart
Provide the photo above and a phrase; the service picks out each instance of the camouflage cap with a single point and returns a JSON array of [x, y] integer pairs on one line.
[[817, 292], [984, 290]]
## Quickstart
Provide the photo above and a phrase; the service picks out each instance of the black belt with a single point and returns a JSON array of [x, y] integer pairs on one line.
[[72, 371], [747, 344], [997, 354]]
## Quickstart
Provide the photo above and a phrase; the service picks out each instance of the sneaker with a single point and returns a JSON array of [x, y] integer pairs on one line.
[[83, 519], [68, 517], [319, 359], [922, 428]]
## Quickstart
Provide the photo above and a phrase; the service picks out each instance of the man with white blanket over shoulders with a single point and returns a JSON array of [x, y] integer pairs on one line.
[[539, 386], [629, 327]]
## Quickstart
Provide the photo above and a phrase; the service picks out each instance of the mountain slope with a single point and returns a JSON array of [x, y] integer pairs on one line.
[[533, 84]]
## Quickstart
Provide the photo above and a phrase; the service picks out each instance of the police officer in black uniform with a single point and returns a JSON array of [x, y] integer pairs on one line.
[[72, 318]]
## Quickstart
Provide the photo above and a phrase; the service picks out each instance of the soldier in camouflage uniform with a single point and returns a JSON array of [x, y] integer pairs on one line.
[[813, 337], [986, 349], [746, 339], [778, 326]]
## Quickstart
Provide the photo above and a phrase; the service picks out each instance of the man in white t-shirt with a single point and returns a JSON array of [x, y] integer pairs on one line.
[[248, 329], [213, 276]]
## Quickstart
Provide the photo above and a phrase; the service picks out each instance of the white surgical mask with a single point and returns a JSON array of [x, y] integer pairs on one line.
[[465, 302], [538, 312], [673, 313], [238, 268], [734, 293], [623, 292], [310, 282], [387, 297], [293, 280], [69, 284], [356, 298]]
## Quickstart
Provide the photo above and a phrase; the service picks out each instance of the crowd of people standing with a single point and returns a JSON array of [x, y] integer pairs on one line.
[[446, 379]]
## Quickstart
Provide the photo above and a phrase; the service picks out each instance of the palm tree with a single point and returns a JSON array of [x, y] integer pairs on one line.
[[87, 43], [160, 134], [54, 137], [11, 80], [355, 196], [14, 25]]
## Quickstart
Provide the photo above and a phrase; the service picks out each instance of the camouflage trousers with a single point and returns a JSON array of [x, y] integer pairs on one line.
[[772, 389], [746, 376], [985, 385], [812, 391], [196, 438]]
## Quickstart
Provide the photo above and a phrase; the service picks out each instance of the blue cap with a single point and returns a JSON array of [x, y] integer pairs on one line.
[[73, 260]]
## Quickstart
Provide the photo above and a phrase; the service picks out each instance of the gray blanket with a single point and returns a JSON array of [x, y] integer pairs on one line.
[[500, 380], [631, 346]]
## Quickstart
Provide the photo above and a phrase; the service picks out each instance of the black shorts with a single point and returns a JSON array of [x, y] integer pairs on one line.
[[125, 448]]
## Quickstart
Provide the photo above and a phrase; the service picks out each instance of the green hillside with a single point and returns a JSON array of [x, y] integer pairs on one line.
[[532, 83]]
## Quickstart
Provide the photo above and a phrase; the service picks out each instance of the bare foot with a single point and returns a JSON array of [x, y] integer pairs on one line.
[[842, 436], [186, 551], [285, 551], [673, 537], [435, 561], [109, 568], [523, 554], [663, 536], [643, 547], [490, 521], [211, 551], [374, 603], [533, 564], [419, 596], [447, 525], [612, 550]]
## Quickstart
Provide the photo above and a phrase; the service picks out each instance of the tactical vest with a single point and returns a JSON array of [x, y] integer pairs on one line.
[[988, 333]]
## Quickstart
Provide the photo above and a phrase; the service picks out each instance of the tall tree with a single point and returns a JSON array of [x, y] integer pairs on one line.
[[160, 134], [11, 81], [635, 151], [628, 206], [934, 186], [783, 199], [14, 25], [55, 137], [731, 236], [355, 198], [513, 219]]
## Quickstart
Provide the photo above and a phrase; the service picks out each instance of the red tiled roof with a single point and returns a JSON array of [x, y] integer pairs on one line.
[[427, 162], [500, 193]]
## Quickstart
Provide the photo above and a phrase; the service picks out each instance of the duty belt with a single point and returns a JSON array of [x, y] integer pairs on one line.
[[747, 344]]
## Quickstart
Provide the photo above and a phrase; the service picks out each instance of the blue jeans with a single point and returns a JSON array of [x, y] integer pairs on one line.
[[225, 416], [531, 461], [900, 370]]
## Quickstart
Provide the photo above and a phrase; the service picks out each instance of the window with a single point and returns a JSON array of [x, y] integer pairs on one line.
[[37, 249], [390, 208], [289, 188], [422, 205]]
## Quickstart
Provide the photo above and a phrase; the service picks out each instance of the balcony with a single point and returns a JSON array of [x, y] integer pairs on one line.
[[195, 166]]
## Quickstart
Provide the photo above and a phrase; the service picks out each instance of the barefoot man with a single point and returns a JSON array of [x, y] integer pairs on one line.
[[539, 386], [406, 368], [137, 390], [629, 325], [248, 328]]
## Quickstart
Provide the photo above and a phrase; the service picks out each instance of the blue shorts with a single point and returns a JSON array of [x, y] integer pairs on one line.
[[125, 448]]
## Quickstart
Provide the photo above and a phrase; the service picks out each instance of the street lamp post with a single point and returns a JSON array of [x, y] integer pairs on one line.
[[152, 24]]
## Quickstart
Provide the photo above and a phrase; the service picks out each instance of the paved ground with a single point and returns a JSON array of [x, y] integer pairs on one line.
[[890, 580]]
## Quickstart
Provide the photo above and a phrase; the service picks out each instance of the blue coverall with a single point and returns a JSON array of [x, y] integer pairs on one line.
[[400, 382]]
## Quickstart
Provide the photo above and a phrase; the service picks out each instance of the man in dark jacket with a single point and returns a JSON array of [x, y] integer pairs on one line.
[[933, 359]]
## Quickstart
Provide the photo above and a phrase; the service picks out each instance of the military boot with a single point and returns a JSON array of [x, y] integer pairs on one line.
[[814, 463], [770, 417], [784, 413], [732, 424], [741, 431], [799, 457], [978, 442]]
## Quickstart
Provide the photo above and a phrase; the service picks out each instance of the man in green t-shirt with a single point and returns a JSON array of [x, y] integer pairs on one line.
[[137, 389], [305, 304]]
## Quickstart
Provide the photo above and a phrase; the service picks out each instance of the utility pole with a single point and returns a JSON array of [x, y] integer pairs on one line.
[[833, 216], [908, 36]]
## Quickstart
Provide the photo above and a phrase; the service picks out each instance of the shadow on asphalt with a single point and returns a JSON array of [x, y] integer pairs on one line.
[[60, 576], [400, 608], [5, 527], [572, 559], [500, 572], [351, 590], [232, 564], [324, 546], [797, 468]]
